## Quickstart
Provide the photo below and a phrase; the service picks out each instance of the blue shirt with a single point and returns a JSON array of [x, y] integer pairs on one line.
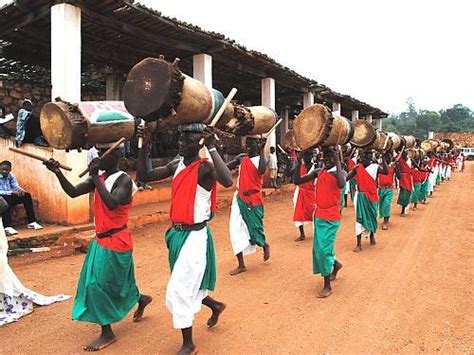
[[8, 184]]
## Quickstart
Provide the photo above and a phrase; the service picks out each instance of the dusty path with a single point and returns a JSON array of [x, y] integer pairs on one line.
[[412, 292]]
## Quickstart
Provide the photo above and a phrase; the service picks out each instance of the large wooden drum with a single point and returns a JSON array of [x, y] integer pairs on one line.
[[250, 120], [397, 142], [382, 141], [410, 141], [72, 126], [289, 141], [429, 145], [157, 89], [364, 134]]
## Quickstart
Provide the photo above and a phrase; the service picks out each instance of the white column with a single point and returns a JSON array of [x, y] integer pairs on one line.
[[66, 52], [430, 135], [308, 99], [284, 124], [202, 68], [336, 108], [368, 118], [355, 115], [268, 100], [113, 87], [378, 124], [66, 83]]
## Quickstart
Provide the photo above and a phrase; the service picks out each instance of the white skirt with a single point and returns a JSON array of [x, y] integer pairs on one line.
[[239, 232]]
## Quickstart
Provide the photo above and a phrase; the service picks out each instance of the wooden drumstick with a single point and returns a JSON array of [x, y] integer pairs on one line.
[[266, 135], [37, 157], [107, 152], [221, 111], [140, 139]]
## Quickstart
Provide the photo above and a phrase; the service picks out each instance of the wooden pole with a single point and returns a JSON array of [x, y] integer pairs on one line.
[[266, 135], [37, 157], [107, 152]]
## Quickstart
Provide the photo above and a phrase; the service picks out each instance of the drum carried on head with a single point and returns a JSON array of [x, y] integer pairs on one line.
[[382, 141], [250, 120], [74, 126], [289, 141], [364, 134], [397, 142], [410, 141], [316, 126], [429, 145]]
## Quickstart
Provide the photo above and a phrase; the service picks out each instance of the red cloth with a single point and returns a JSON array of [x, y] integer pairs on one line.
[[418, 176], [183, 194], [327, 197], [406, 179], [250, 181], [366, 183], [106, 219], [431, 162], [350, 164], [304, 207], [386, 180]]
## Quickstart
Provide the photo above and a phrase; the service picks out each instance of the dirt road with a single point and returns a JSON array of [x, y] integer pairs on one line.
[[412, 292]]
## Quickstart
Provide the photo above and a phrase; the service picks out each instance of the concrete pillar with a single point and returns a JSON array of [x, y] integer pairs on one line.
[[113, 87], [284, 125], [430, 135], [66, 83], [355, 115], [202, 68], [336, 108], [308, 99], [368, 118], [378, 124], [268, 100]]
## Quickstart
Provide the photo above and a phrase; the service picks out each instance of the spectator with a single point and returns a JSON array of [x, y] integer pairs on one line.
[[273, 166], [28, 129], [11, 191]]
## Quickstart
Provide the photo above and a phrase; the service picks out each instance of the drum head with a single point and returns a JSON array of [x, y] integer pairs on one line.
[[312, 126], [364, 134]]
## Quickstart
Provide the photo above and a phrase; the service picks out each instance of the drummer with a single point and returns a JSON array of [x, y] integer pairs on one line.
[[386, 190], [366, 198], [403, 172]]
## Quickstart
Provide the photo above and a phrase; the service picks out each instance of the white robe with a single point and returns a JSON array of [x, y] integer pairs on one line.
[[15, 299], [183, 296], [372, 170]]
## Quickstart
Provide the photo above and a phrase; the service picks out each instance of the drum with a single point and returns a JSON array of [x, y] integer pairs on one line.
[[429, 145], [364, 134], [450, 144], [397, 142], [289, 141], [316, 126], [410, 141], [157, 89], [382, 141], [72, 126], [250, 120]]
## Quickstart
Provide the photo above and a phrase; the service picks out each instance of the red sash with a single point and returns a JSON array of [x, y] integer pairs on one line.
[[106, 220], [367, 185], [304, 207], [386, 180], [250, 183], [327, 197], [406, 180], [431, 162], [183, 194], [418, 176]]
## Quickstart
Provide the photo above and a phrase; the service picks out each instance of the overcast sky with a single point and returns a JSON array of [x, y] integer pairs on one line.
[[379, 51]]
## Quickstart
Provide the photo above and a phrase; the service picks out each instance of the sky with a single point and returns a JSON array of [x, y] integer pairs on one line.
[[378, 51]]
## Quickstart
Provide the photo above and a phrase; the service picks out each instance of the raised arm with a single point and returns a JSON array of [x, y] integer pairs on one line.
[[72, 191], [340, 173], [352, 173], [222, 172], [233, 164], [298, 179], [262, 164]]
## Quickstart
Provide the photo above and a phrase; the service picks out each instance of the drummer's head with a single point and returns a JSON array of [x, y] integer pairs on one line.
[[366, 158], [405, 155], [308, 156], [111, 160], [190, 135], [251, 146], [27, 104], [329, 157]]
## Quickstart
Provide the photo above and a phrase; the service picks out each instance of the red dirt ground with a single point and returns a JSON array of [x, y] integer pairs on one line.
[[412, 292]]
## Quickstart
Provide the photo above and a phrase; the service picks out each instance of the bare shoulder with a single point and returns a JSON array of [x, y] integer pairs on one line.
[[206, 168]]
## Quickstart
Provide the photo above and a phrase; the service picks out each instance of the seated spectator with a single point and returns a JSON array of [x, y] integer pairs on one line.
[[11, 191], [28, 129]]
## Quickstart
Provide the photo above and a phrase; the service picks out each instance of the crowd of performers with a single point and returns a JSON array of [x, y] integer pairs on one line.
[[107, 289]]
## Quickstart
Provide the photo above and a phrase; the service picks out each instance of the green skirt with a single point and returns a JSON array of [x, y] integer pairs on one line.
[[253, 218], [438, 179], [415, 196], [107, 290], [385, 202], [424, 190], [352, 186], [323, 246], [366, 212], [175, 240], [404, 197]]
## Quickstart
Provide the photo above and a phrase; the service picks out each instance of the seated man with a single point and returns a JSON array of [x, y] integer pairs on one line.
[[11, 191]]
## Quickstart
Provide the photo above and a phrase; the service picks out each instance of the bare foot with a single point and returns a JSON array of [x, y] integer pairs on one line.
[[215, 315], [186, 350], [403, 215], [300, 238], [325, 292], [372, 240], [102, 342], [357, 249], [414, 209], [142, 303], [266, 252], [337, 267], [384, 227], [238, 270]]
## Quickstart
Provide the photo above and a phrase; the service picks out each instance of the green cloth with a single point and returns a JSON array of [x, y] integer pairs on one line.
[[366, 212], [343, 192], [424, 190], [107, 290], [438, 179], [404, 197], [323, 246], [385, 202], [415, 196], [111, 116], [253, 218], [175, 240], [352, 186]]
